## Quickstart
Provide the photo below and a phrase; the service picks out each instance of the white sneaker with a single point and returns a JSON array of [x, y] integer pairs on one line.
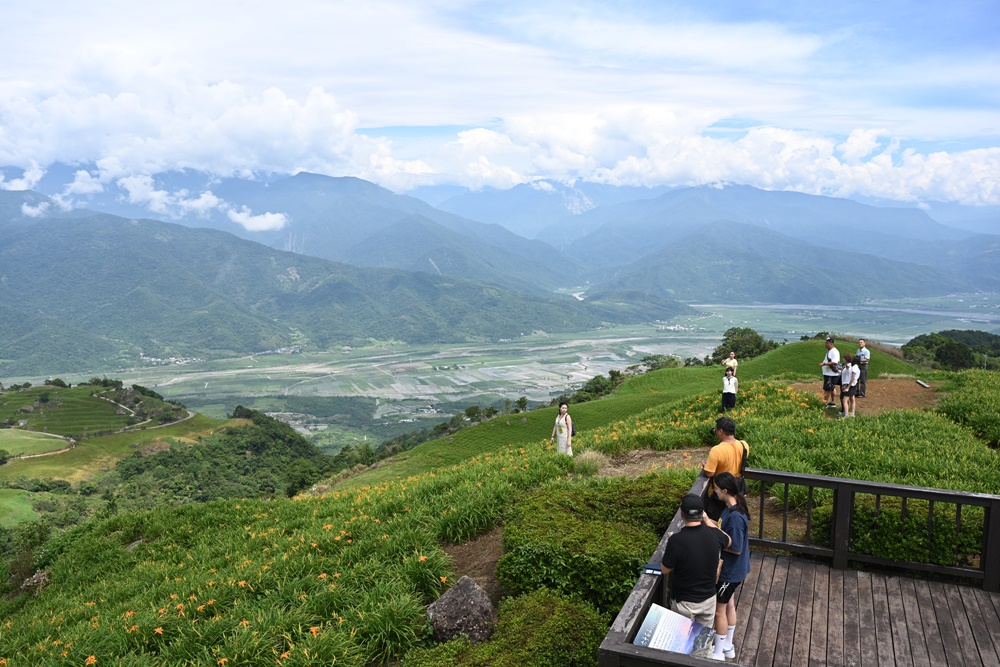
[[729, 652], [713, 656]]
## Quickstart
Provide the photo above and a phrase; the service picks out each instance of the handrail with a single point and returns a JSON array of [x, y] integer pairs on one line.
[[617, 649], [844, 504]]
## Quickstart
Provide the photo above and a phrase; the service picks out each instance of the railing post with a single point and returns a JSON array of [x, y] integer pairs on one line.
[[991, 548], [843, 508]]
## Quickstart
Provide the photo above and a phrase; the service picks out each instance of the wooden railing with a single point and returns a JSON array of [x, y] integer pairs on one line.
[[787, 497], [942, 510]]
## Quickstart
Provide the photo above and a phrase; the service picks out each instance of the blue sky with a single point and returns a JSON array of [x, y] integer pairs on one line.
[[897, 100]]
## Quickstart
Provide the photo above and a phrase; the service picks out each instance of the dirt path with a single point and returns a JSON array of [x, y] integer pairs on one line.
[[478, 558]]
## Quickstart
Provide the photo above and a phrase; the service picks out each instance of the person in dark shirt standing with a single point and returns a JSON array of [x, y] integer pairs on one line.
[[735, 521], [691, 559]]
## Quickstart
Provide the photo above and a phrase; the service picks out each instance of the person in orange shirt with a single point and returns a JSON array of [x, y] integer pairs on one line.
[[727, 456]]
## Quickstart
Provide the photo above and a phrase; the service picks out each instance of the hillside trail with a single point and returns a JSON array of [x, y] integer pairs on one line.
[[478, 558]]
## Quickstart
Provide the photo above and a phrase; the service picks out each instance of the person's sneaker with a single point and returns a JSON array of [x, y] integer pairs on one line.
[[713, 656], [730, 652]]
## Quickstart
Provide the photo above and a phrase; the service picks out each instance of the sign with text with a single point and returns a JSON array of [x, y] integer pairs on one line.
[[669, 631]]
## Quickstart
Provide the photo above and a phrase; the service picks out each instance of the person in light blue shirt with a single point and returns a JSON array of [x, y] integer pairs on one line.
[[862, 357]]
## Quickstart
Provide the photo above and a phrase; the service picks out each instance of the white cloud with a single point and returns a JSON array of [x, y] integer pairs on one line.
[[823, 100], [860, 144], [38, 211], [29, 178], [265, 222]]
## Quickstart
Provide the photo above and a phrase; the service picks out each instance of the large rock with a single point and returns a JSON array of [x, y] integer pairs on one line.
[[463, 610]]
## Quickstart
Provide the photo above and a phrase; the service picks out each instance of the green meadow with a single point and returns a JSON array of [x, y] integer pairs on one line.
[[15, 507], [92, 456], [18, 442]]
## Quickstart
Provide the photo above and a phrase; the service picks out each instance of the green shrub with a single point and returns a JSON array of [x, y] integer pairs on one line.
[[589, 538], [911, 540], [540, 629], [975, 402]]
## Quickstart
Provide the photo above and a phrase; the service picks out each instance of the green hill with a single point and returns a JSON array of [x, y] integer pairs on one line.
[[173, 291], [344, 577], [727, 262]]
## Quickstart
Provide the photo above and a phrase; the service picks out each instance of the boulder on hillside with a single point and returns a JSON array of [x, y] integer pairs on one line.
[[463, 610]]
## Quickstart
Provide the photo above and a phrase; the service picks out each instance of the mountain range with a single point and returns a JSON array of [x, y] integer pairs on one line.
[[341, 261]]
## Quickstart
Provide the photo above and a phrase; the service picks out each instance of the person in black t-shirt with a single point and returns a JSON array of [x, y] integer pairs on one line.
[[691, 559]]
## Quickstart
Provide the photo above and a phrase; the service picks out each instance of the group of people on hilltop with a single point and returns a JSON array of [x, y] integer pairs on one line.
[[851, 376], [709, 557]]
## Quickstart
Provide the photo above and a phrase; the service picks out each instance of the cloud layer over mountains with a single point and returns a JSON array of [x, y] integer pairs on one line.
[[854, 100]]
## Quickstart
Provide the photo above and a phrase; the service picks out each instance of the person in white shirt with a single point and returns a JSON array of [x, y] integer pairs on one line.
[[845, 386], [852, 392], [831, 373], [862, 357], [730, 385]]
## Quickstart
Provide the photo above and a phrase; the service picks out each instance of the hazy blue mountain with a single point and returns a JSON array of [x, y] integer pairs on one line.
[[616, 235], [740, 263], [979, 219], [529, 208], [328, 217], [170, 290], [418, 244]]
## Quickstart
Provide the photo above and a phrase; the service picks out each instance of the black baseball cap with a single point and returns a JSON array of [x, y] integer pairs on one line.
[[692, 506]]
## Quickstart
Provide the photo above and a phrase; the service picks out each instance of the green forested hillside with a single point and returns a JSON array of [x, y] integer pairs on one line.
[[738, 263], [173, 291]]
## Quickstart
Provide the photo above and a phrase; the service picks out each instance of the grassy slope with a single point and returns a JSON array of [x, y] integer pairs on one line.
[[795, 361], [68, 411], [19, 442], [15, 508], [86, 460], [266, 565]]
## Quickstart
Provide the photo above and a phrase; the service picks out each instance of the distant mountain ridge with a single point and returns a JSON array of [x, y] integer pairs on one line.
[[81, 292], [739, 263], [347, 260]]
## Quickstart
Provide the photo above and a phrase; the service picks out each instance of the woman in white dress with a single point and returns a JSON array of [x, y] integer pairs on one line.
[[562, 432]]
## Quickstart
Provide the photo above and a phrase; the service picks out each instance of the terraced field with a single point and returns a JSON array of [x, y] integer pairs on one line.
[[72, 412]]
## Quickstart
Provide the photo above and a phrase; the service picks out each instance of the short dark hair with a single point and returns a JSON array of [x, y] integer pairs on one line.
[[726, 425]]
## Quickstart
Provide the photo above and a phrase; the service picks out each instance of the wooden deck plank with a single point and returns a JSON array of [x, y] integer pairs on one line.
[[925, 641], [946, 626], [980, 630], [883, 624], [867, 644], [820, 615], [842, 626], [746, 653], [989, 605], [852, 622], [796, 612], [788, 614], [745, 596], [966, 640], [901, 650], [803, 629], [933, 644], [772, 614]]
